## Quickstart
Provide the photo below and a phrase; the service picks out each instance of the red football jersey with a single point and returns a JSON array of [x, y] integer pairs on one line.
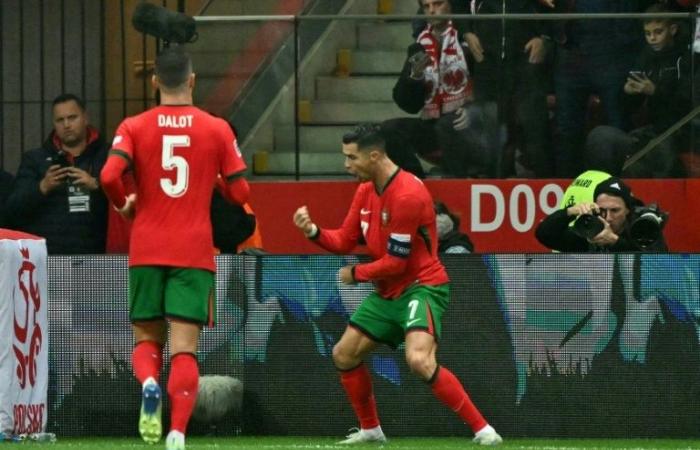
[[177, 152], [399, 229]]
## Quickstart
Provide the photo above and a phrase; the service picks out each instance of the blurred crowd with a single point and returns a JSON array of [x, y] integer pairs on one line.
[[546, 98]]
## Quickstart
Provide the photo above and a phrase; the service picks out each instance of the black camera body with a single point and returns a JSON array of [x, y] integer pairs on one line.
[[644, 225], [588, 226]]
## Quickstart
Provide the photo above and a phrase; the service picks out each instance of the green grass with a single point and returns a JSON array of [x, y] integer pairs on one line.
[[281, 443]]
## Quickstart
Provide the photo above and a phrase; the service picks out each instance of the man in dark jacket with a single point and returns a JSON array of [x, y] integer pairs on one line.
[[594, 56], [613, 213], [436, 83], [509, 69], [56, 193], [5, 188]]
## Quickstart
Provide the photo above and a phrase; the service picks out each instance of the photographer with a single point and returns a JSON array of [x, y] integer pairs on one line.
[[56, 194], [614, 222]]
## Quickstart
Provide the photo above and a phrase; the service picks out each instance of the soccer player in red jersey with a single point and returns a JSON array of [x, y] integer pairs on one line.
[[179, 154], [393, 212]]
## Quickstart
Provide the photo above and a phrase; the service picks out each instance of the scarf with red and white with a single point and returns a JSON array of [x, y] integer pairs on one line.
[[447, 82]]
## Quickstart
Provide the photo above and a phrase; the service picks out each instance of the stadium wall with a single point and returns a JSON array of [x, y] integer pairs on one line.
[[498, 215], [547, 344]]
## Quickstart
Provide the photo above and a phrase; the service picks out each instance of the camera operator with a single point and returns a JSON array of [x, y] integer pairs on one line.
[[614, 221]]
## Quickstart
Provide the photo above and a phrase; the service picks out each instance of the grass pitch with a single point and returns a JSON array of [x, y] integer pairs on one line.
[[299, 443]]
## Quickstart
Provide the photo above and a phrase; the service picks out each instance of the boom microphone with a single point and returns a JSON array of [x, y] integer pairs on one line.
[[162, 23]]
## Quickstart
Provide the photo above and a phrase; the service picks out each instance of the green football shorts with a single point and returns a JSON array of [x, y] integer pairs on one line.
[[156, 292], [420, 307]]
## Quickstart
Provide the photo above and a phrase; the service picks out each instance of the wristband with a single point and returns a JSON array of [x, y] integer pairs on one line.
[[313, 234]]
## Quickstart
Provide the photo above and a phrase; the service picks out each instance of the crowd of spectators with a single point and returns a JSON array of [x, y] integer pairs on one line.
[[520, 97], [530, 98]]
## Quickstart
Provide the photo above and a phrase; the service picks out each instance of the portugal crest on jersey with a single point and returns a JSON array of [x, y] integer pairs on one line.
[[385, 217]]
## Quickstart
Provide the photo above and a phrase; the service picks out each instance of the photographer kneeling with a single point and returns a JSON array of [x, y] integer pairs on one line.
[[614, 221]]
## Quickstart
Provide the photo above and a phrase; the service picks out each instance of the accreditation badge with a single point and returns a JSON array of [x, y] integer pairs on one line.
[[78, 199]]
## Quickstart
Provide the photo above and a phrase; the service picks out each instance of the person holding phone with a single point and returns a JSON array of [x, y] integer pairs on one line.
[[436, 84], [659, 86], [56, 193]]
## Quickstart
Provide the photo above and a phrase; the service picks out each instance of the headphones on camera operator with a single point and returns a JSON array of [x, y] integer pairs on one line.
[[644, 222]]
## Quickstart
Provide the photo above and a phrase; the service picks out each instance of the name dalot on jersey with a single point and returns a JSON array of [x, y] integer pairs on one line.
[[174, 121]]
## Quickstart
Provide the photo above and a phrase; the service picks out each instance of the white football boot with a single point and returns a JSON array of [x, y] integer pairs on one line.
[[360, 436]]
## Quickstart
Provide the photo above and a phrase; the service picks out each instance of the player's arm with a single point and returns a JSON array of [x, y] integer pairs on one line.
[[118, 160], [235, 189], [340, 240], [402, 232], [231, 184]]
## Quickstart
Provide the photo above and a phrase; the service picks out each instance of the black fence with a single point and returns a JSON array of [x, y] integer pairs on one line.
[[547, 345]]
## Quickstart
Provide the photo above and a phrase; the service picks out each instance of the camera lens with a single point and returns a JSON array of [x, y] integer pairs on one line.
[[588, 226]]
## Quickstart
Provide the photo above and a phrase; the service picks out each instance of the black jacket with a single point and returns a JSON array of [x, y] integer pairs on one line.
[[454, 240], [48, 216], [670, 71], [5, 189], [605, 38], [409, 94], [555, 233], [505, 37]]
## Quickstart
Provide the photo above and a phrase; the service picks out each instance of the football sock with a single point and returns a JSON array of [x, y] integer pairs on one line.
[[183, 383], [147, 359], [449, 390], [358, 385]]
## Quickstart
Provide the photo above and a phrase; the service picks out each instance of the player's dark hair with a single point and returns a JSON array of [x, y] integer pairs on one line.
[[366, 136], [63, 98], [173, 67]]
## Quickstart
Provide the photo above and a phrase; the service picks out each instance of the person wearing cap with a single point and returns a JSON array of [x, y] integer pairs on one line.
[[613, 205]]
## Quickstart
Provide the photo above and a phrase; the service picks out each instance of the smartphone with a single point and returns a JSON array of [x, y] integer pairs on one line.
[[418, 57], [636, 74]]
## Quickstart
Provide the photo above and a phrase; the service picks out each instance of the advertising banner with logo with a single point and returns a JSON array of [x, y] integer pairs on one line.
[[499, 215], [23, 333]]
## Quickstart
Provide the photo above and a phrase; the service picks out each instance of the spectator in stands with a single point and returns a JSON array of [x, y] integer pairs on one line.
[[435, 81], [594, 56], [5, 187], [660, 84], [603, 225], [450, 239], [509, 69], [57, 194]]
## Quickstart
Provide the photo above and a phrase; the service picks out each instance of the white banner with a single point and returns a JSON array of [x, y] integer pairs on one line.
[[24, 336]]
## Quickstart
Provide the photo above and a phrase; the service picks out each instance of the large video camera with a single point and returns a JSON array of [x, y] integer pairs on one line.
[[644, 228], [162, 23]]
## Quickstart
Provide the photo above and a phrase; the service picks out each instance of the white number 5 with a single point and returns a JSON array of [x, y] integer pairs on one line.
[[170, 161]]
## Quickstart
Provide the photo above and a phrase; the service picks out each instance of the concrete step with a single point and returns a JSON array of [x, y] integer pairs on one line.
[[384, 35], [353, 89], [282, 163], [354, 112], [377, 61], [312, 139]]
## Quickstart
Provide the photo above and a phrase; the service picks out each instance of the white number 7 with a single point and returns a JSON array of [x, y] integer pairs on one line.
[[170, 161]]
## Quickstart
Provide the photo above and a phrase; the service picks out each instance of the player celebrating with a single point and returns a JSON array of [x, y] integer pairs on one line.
[[179, 153], [393, 212]]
